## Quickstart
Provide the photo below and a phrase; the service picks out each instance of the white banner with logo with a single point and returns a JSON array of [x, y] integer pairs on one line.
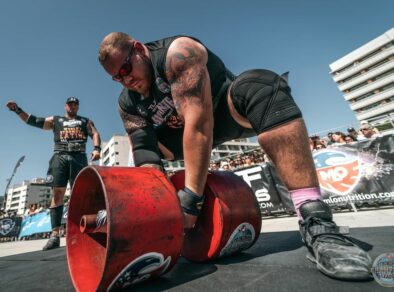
[[350, 175]]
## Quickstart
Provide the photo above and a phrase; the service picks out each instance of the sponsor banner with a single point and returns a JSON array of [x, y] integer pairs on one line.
[[350, 175], [10, 227], [37, 223], [357, 174], [271, 193]]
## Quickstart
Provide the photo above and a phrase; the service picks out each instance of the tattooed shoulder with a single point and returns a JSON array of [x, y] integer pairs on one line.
[[183, 54], [186, 71], [132, 122]]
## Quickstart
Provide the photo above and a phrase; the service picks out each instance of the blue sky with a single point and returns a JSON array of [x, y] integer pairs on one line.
[[49, 49]]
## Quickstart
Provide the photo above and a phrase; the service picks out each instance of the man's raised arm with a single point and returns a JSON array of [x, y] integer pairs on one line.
[[32, 120]]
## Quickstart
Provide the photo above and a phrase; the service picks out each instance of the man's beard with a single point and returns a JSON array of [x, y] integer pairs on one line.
[[71, 114]]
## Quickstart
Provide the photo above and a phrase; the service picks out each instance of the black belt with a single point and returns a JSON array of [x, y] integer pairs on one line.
[[70, 147]]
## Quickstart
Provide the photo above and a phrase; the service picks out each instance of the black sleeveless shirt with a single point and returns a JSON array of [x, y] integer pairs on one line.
[[68, 130], [159, 111]]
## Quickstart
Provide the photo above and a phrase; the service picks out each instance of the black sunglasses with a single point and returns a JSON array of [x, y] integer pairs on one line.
[[125, 69]]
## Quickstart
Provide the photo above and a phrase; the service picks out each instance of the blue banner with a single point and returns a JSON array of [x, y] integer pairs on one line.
[[37, 223]]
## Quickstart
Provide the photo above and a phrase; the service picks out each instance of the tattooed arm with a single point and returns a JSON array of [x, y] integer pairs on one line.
[[143, 141], [188, 76]]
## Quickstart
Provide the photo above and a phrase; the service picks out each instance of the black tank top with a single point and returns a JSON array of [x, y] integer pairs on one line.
[[68, 130], [159, 110], [159, 107]]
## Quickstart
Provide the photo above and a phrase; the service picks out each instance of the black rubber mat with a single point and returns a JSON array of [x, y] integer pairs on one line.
[[275, 263]]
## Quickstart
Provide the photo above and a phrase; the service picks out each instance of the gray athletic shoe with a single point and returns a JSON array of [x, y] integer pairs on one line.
[[335, 254], [53, 242]]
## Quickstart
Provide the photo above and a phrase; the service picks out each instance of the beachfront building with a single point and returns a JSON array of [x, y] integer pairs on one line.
[[116, 152], [20, 196], [365, 76]]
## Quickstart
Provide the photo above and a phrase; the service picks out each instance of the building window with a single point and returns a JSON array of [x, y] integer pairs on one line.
[[363, 59], [382, 102], [371, 80], [376, 91]]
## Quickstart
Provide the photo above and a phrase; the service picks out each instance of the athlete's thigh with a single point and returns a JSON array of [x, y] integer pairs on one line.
[[77, 162], [58, 171]]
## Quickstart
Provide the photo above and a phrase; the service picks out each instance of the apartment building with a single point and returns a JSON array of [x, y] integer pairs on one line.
[[365, 76], [20, 196], [116, 152]]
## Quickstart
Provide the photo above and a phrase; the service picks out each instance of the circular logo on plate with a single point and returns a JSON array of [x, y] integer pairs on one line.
[[383, 269]]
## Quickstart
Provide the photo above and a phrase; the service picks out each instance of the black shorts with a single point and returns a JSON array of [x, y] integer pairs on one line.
[[64, 167], [264, 98]]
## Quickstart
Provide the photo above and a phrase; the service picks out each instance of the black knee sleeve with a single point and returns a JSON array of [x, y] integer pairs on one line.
[[264, 98], [317, 209], [56, 216]]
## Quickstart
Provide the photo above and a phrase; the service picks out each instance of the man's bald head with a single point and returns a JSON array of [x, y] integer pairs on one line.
[[115, 41]]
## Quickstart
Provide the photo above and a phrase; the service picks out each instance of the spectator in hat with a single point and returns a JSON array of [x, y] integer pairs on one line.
[[352, 133]]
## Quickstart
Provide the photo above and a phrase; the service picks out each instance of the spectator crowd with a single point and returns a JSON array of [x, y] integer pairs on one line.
[[240, 160], [366, 131], [257, 156]]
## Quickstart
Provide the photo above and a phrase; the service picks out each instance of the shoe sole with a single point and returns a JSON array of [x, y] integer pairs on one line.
[[45, 249], [339, 275]]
